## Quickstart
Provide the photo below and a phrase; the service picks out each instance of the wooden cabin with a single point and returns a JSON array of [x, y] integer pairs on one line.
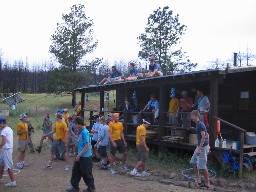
[[232, 94]]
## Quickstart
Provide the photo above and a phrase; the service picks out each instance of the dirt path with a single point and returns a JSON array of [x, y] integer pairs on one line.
[[35, 178]]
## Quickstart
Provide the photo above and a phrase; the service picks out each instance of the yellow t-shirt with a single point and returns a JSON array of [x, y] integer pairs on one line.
[[65, 116], [21, 127], [173, 105], [116, 128], [141, 131], [60, 129]]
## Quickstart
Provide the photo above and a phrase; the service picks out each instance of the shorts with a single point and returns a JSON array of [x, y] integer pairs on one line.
[[102, 150], [6, 159], [201, 160], [93, 143], [112, 80], [156, 113], [120, 147], [58, 146], [142, 153], [22, 145], [159, 73]]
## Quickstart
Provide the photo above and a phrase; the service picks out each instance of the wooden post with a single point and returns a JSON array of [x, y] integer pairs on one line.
[[241, 154], [213, 110], [125, 115], [90, 118], [73, 98], [161, 129], [101, 102], [82, 104]]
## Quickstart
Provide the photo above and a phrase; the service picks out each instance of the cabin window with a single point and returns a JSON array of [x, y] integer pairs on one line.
[[244, 101]]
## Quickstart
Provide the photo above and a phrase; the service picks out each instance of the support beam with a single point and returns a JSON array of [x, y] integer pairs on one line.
[[125, 115], [214, 110], [161, 118], [241, 154], [101, 102], [82, 104]]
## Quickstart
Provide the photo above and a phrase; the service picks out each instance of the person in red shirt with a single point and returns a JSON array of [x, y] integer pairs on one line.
[[186, 103]]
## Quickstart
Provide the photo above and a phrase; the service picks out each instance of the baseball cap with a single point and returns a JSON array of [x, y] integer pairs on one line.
[[146, 121], [65, 109], [22, 116], [2, 120]]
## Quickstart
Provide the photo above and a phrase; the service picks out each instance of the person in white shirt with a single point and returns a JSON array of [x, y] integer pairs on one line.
[[6, 161]]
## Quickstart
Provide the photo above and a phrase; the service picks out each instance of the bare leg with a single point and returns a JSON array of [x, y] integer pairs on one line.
[[139, 165], [11, 175], [196, 171], [124, 157], [112, 159], [1, 172], [22, 156], [206, 177], [66, 158]]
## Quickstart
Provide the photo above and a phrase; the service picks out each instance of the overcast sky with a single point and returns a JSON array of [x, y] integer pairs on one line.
[[215, 29]]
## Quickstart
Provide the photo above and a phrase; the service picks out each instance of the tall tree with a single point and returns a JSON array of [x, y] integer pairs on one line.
[[161, 38], [73, 38]]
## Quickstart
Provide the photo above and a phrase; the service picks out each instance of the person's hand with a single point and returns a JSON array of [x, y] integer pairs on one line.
[[125, 144], [43, 137], [198, 152], [95, 146], [114, 145], [147, 149], [65, 144], [78, 157]]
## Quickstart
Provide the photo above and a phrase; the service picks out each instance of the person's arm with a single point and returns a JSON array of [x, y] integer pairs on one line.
[[122, 137], [202, 143], [3, 141], [143, 141], [86, 147], [99, 140]]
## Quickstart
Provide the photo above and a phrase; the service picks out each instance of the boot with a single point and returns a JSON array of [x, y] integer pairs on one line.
[[38, 149]]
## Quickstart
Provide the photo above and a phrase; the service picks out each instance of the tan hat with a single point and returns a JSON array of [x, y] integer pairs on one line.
[[65, 109]]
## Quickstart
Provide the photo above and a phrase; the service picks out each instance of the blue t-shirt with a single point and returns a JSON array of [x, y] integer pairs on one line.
[[104, 133], [115, 74], [133, 71], [156, 66], [84, 137], [202, 103], [199, 128], [152, 105], [96, 127]]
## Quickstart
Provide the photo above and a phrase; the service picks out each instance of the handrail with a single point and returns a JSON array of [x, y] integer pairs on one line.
[[230, 124]]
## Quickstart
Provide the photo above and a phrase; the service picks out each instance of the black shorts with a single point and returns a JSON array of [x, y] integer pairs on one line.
[[102, 150], [120, 147], [93, 143]]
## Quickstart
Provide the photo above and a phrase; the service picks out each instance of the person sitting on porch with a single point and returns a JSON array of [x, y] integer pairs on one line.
[[203, 106], [133, 73], [153, 105], [115, 76], [154, 69], [186, 103]]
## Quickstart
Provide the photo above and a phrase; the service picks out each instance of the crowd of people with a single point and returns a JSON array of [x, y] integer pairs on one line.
[[69, 136], [116, 76]]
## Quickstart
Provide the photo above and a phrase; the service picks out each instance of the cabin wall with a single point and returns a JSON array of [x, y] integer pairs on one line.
[[232, 106]]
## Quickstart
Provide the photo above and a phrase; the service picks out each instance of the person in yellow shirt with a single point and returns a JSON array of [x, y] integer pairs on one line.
[[142, 150], [22, 132], [60, 141], [173, 109], [65, 115], [117, 142]]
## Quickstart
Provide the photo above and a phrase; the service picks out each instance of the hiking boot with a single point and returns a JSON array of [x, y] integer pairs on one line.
[[135, 173], [104, 167], [66, 168], [38, 149], [89, 189], [48, 166], [25, 164], [72, 189], [19, 165], [145, 174], [124, 168], [112, 171], [11, 184]]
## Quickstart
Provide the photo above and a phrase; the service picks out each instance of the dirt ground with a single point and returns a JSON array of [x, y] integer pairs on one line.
[[36, 178]]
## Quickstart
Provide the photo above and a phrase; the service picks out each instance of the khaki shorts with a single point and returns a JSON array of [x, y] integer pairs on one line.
[[142, 153], [201, 160], [22, 145]]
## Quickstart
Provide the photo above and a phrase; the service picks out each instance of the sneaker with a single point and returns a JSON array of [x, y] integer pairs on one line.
[[66, 168], [103, 167], [71, 189], [11, 184], [145, 174], [48, 166], [112, 171], [124, 168], [19, 165], [135, 173], [38, 149], [25, 164]]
